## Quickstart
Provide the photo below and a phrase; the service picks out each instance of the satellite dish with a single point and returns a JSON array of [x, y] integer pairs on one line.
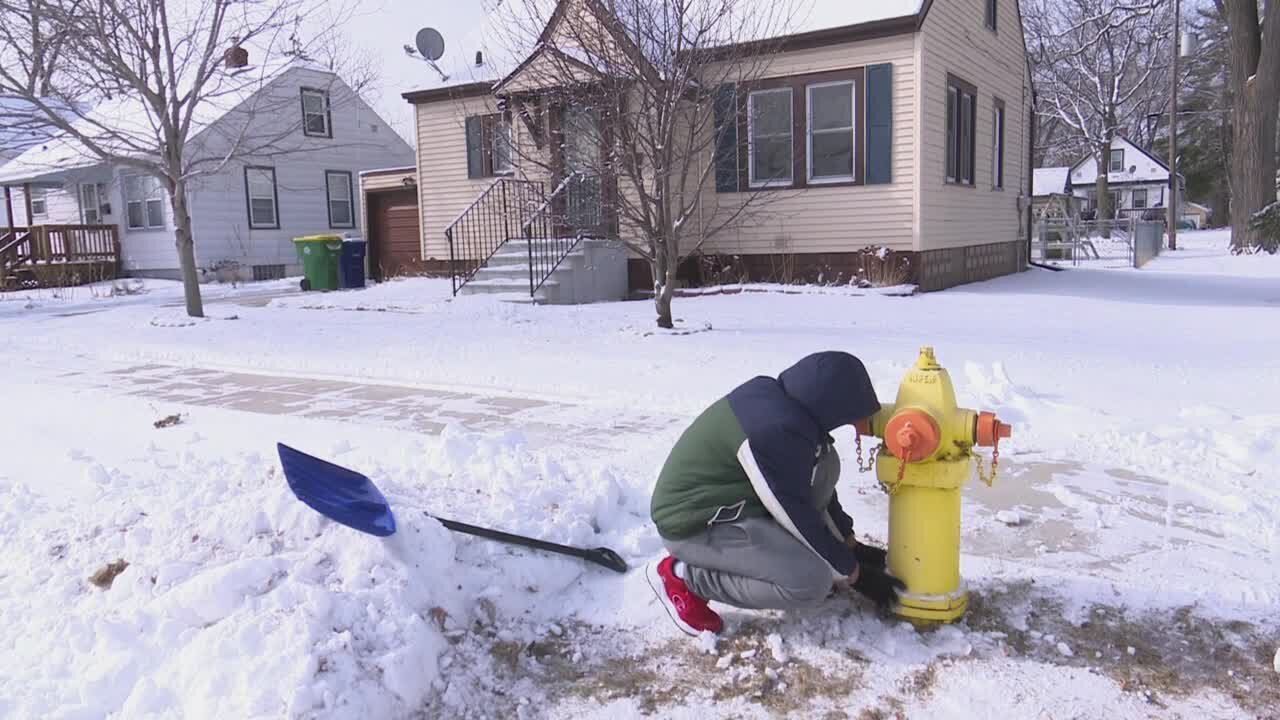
[[430, 44]]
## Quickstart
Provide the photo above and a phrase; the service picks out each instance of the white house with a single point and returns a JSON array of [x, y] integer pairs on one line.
[[281, 159], [1137, 180]]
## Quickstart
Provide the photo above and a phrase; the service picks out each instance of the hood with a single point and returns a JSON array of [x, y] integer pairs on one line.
[[833, 387]]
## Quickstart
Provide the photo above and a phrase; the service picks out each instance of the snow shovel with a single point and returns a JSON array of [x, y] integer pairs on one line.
[[347, 497]]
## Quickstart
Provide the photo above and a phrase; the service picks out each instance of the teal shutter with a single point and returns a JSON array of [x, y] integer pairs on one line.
[[879, 147], [475, 147], [726, 119]]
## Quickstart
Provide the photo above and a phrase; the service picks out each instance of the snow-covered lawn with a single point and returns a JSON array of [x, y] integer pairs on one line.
[[1142, 580]]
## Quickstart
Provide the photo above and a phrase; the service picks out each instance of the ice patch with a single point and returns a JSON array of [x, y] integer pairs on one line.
[[774, 640], [1009, 517]]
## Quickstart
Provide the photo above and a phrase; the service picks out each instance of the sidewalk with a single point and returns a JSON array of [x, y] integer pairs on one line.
[[423, 410]]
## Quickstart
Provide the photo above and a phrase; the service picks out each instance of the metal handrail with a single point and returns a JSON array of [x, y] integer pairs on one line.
[[480, 230], [551, 235]]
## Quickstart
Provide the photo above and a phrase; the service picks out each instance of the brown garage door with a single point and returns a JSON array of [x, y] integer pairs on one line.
[[394, 244]]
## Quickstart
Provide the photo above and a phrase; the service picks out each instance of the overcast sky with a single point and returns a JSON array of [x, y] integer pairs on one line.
[[386, 26]]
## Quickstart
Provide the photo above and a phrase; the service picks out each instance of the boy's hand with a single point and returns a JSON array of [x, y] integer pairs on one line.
[[881, 587], [868, 555]]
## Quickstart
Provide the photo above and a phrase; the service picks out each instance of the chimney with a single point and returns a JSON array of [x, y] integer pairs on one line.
[[235, 57]]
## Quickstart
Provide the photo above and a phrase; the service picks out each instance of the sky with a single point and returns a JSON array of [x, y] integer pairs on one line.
[[386, 26]]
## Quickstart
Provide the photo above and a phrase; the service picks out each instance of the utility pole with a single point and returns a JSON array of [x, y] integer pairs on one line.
[[1173, 127]]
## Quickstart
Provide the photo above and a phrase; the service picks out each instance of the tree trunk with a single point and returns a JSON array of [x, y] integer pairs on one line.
[[186, 248], [1253, 169], [664, 288]]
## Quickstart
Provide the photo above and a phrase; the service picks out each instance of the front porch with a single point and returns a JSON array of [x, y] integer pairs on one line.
[[58, 255]]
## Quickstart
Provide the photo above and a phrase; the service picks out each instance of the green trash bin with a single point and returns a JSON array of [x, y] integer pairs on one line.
[[320, 255]]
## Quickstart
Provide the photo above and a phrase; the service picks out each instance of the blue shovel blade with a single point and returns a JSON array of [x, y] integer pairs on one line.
[[342, 495]]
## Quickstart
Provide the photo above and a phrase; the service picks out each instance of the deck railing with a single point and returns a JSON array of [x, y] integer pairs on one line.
[[37, 249]]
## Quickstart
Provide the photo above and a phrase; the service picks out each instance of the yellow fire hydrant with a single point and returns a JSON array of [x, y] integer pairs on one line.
[[926, 458]]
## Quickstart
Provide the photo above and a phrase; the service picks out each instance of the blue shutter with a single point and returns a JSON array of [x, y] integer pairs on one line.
[[726, 119], [879, 124]]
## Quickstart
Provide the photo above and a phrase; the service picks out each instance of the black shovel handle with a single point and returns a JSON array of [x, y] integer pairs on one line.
[[600, 556]]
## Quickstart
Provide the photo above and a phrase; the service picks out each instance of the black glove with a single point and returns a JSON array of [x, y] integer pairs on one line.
[[870, 556], [878, 585]]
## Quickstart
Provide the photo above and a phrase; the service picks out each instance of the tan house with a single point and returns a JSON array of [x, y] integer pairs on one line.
[[923, 113]]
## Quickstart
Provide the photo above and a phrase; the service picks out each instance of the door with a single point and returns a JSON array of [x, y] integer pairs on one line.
[[582, 151], [395, 246]]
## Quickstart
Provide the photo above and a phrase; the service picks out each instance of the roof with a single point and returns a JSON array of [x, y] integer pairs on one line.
[[505, 37], [122, 124], [1046, 181]]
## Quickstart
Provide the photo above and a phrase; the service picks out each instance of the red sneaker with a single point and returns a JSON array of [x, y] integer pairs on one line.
[[689, 612]]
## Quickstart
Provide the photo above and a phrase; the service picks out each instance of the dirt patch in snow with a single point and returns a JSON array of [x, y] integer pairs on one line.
[[1157, 654]]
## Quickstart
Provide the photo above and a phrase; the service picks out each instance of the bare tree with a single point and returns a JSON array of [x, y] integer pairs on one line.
[[1254, 81], [134, 83], [1101, 69], [646, 97]]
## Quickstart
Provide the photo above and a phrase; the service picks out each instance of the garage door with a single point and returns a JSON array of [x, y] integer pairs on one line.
[[395, 247]]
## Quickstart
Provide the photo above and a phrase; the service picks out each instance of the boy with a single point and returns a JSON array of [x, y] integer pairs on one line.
[[746, 502]]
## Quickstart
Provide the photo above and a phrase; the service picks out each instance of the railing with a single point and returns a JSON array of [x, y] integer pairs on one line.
[[15, 249], [574, 211], [494, 218], [41, 248], [1117, 243]]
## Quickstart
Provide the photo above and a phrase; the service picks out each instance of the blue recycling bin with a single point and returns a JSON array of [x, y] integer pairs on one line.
[[351, 264]]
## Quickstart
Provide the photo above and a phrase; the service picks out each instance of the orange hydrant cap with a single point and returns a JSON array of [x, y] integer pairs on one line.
[[991, 430], [912, 434]]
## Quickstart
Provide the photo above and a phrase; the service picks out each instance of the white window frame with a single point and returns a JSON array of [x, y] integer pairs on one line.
[[350, 200], [274, 197], [144, 201], [751, 139], [852, 129], [324, 113], [1146, 198], [95, 207], [39, 195], [1111, 163]]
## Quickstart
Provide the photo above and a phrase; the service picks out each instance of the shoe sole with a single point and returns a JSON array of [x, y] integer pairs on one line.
[[655, 583]]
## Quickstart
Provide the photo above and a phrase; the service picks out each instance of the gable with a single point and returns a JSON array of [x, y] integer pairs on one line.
[[1139, 166]]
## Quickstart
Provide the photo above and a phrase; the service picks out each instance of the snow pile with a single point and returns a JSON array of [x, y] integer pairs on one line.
[[237, 601]]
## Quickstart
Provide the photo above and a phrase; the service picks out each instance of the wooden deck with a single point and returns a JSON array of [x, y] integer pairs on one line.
[[58, 255]]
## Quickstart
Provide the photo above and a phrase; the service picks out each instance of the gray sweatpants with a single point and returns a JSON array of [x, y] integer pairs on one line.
[[754, 562]]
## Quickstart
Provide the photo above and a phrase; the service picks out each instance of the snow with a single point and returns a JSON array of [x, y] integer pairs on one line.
[[823, 14], [1140, 469], [1009, 517], [1046, 181]]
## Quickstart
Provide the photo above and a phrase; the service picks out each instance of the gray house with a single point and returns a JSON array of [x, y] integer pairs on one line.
[[279, 160]]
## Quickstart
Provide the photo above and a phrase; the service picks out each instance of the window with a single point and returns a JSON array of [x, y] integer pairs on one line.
[[1117, 160], [143, 202], [260, 189], [91, 203], [769, 150], [961, 113], [490, 146], [992, 7], [997, 145], [39, 204], [831, 132], [338, 187], [1139, 198], [315, 113]]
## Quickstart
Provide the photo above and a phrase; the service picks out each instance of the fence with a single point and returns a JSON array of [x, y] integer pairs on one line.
[[1120, 243], [1148, 241]]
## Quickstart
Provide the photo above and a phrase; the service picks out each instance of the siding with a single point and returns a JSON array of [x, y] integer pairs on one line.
[[956, 40], [219, 210], [837, 219], [443, 186]]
